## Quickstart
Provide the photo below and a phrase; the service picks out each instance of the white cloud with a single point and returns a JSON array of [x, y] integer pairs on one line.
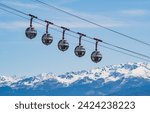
[[21, 4], [67, 20], [63, 2], [79, 24], [13, 25], [27, 5], [135, 12], [73, 22]]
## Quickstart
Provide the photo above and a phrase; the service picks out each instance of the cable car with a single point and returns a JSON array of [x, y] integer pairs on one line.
[[31, 32], [96, 56], [63, 45], [47, 39], [79, 51]]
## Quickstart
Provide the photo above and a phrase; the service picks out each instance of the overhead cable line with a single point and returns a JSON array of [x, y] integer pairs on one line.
[[13, 13], [91, 22], [89, 37], [6, 6], [84, 36], [77, 37]]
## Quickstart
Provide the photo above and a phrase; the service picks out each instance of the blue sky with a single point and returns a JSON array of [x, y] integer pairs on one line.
[[21, 56]]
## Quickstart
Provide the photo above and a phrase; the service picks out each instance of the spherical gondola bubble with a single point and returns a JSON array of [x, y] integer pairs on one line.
[[96, 56], [79, 51], [63, 45], [31, 32], [47, 39]]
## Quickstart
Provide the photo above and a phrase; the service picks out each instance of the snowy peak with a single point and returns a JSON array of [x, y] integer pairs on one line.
[[110, 73], [9, 80], [130, 70]]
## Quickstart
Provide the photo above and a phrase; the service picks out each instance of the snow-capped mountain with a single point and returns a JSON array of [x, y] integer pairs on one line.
[[8, 80], [123, 79]]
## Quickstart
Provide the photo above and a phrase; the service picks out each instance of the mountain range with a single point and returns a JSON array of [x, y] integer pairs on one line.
[[130, 79]]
